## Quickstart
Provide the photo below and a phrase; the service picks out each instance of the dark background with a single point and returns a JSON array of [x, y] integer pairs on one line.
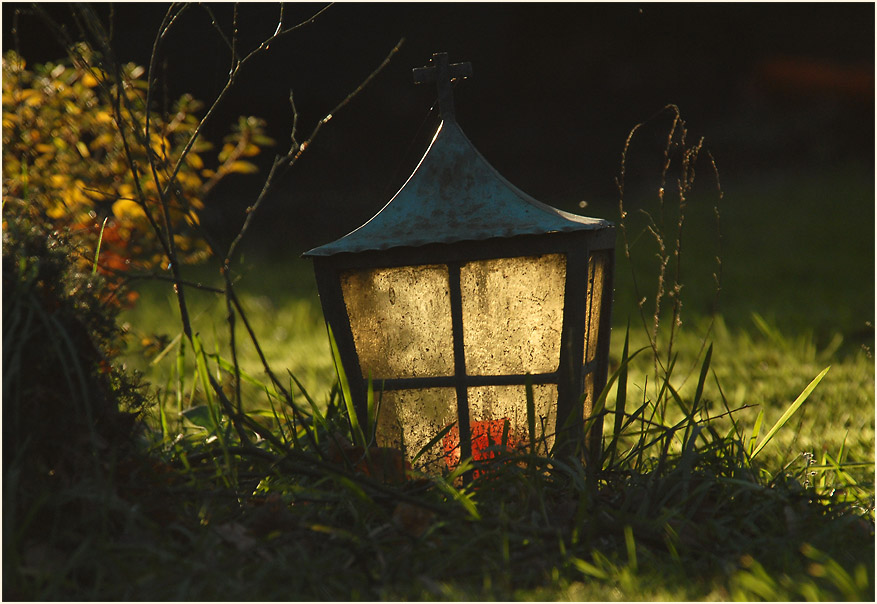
[[777, 90]]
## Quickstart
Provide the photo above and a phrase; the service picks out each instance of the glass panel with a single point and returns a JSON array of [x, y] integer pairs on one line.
[[401, 320], [596, 270], [513, 314], [490, 406], [419, 415]]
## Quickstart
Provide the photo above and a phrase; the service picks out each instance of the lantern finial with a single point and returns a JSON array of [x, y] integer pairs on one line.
[[443, 74]]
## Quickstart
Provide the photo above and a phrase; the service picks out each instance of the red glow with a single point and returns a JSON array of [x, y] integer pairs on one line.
[[486, 442]]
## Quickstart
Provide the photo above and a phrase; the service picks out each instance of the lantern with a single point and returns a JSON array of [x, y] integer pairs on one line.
[[461, 295]]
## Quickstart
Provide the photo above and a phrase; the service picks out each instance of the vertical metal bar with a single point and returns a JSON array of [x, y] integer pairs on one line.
[[569, 402], [604, 331], [335, 313], [459, 360]]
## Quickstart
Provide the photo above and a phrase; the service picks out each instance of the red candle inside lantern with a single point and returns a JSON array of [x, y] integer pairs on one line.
[[487, 442]]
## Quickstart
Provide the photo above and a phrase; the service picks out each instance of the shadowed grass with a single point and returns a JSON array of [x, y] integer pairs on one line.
[[683, 508]]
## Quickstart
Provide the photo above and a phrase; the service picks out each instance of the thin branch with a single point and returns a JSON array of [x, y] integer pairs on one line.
[[228, 85], [295, 152], [215, 23]]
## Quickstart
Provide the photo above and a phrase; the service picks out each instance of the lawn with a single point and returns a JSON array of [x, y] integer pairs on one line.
[[788, 310], [737, 451]]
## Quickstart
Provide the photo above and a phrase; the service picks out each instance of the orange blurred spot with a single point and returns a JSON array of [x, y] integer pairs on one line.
[[487, 442]]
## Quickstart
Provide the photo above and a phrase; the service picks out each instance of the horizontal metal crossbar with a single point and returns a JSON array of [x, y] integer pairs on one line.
[[451, 381]]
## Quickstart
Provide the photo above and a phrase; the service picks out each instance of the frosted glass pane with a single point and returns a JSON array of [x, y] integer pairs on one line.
[[401, 320], [596, 273], [419, 415], [590, 395], [513, 314], [489, 405]]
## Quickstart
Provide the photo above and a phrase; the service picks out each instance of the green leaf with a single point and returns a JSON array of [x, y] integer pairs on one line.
[[200, 416], [790, 411]]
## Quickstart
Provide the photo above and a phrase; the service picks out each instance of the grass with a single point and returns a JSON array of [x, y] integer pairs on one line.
[[737, 459], [682, 510]]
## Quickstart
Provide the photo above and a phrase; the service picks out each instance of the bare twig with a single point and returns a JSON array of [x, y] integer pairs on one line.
[[282, 163], [264, 46]]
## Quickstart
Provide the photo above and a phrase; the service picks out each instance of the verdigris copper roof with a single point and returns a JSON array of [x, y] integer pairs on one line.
[[455, 195]]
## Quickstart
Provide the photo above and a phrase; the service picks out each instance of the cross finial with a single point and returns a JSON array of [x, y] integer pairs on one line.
[[443, 74]]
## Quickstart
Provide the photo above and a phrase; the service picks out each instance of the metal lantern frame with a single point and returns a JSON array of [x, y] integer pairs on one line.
[[444, 215]]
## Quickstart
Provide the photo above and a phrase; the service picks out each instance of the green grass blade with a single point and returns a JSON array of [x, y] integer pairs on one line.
[[790, 411], [531, 417], [158, 358], [165, 428], [704, 369], [181, 374], [600, 403], [100, 239], [228, 366], [371, 410], [355, 429], [630, 545], [202, 369], [588, 569], [458, 495], [620, 397], [433, 441], [756, 430]]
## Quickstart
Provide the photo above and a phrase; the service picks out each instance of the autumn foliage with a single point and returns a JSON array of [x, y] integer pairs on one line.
[[88, 156]]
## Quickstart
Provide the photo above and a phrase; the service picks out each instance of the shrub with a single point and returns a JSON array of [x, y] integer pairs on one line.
[[67, 163], [69, 414], [62, 395]]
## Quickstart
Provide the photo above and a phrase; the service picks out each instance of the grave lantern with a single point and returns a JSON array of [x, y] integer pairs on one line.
[[459, 293]]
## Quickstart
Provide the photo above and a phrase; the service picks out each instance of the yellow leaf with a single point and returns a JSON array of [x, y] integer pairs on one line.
[[57, 210], [104, 141], [126, 208], [72, 108], [188, 180], [31, 97], [89, 80], [242, 167], [227, 150], [58, 180], [251, 150], [103, 117], [194, 160]]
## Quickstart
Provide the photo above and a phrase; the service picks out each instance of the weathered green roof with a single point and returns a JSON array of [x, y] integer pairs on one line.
[[455, 195]]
